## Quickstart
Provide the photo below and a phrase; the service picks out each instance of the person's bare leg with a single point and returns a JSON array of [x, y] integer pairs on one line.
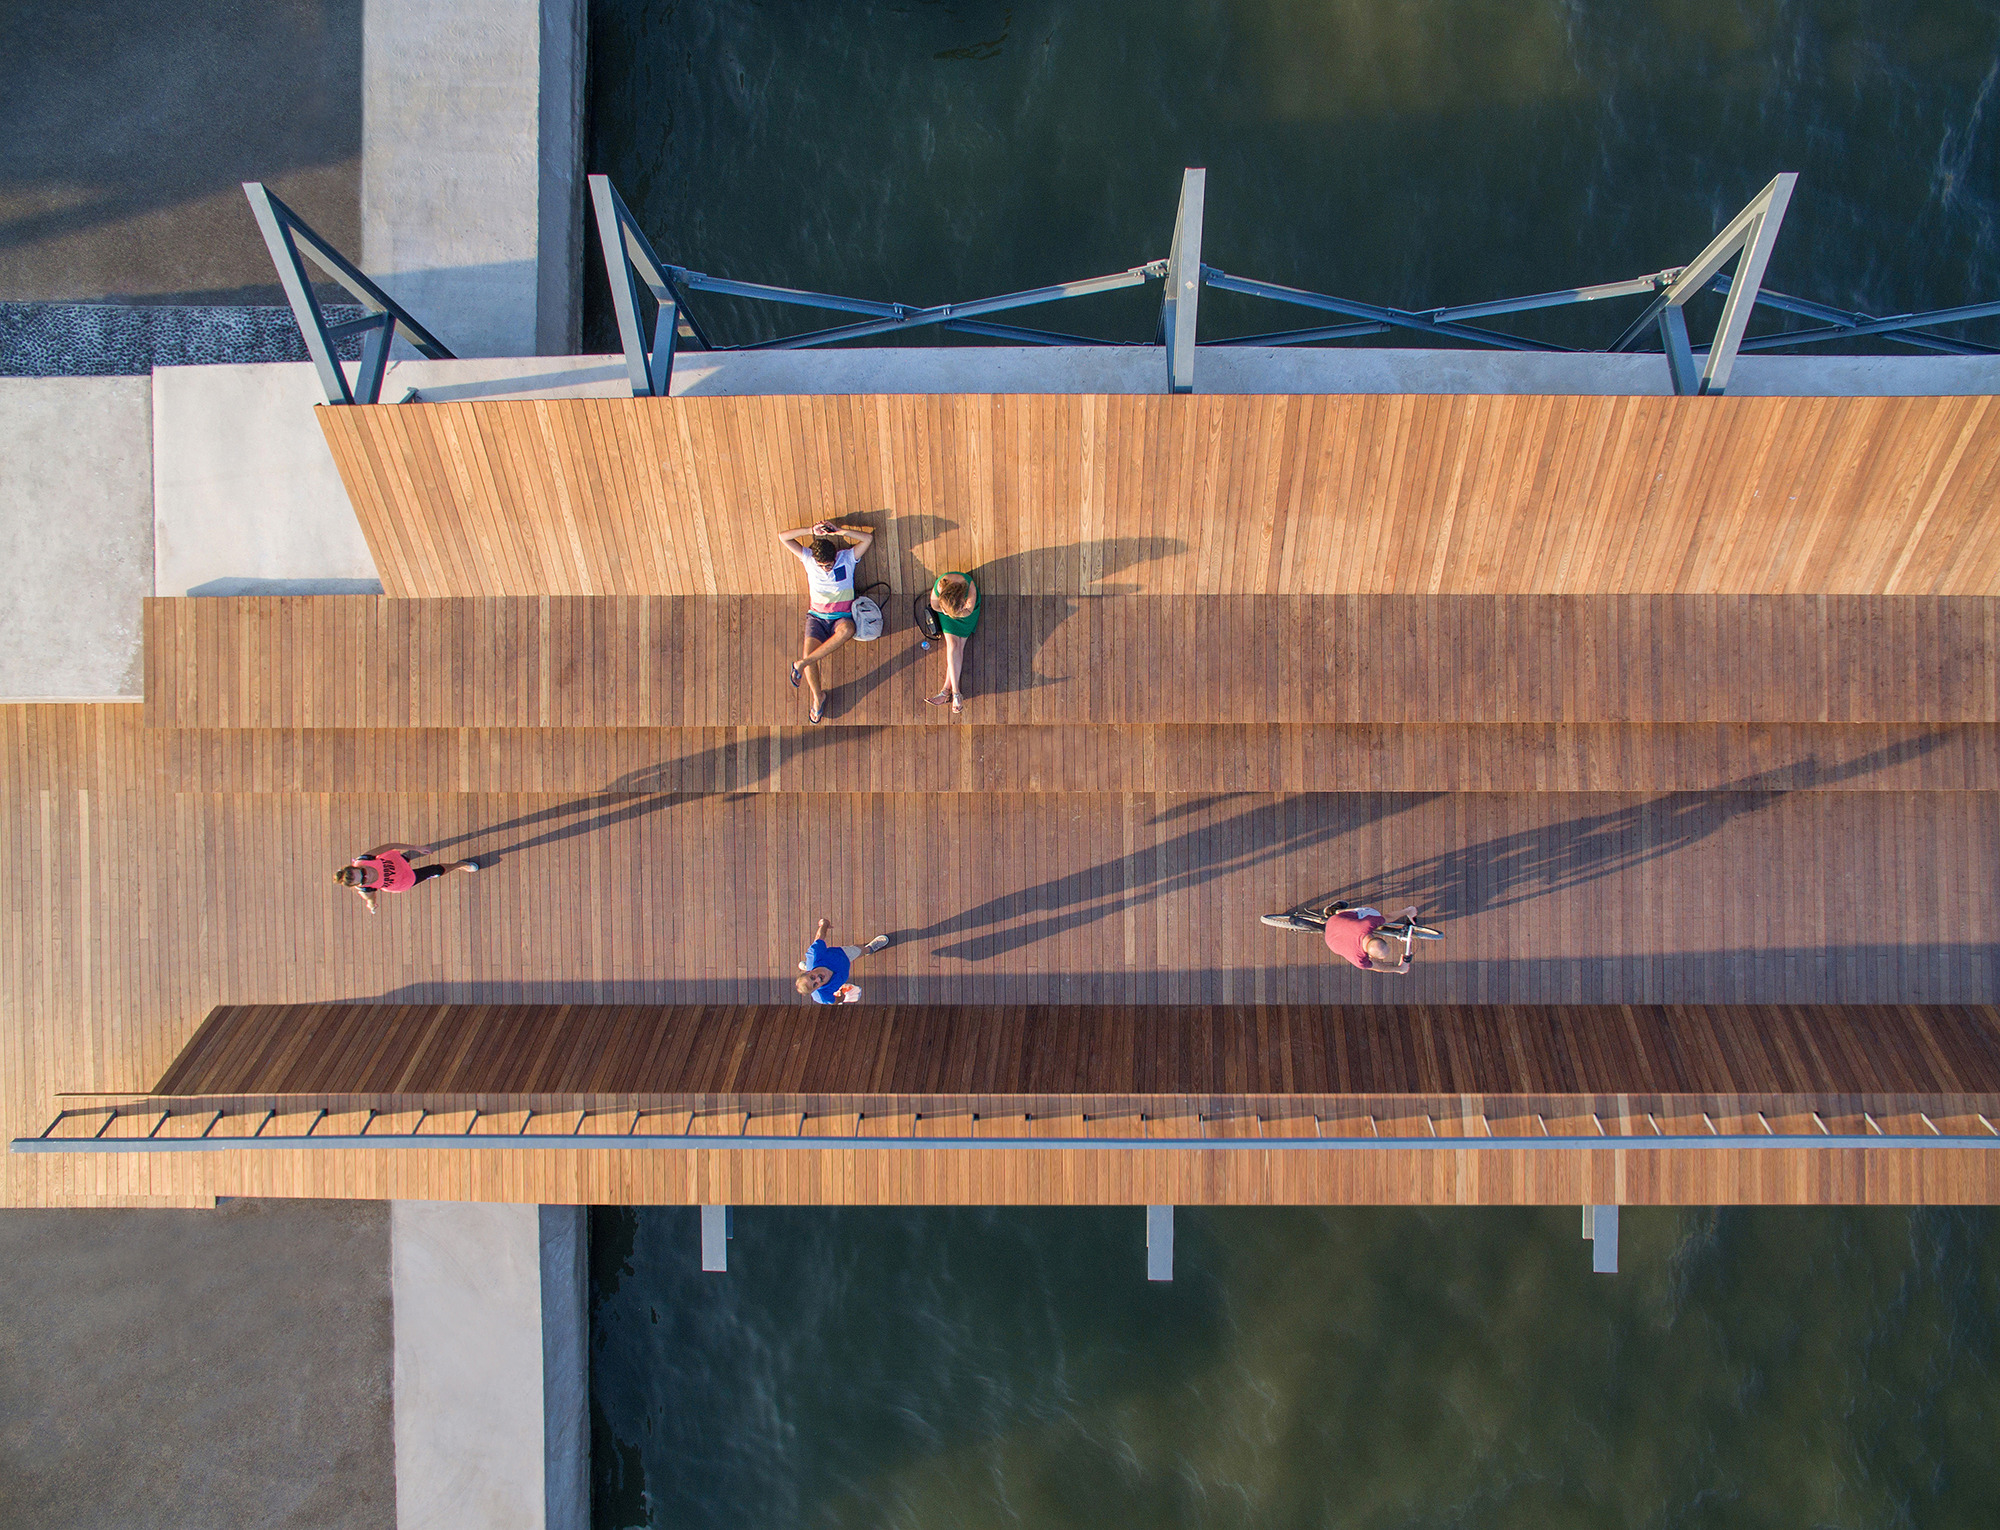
[[842, 631], [954, 665], [815, 696]]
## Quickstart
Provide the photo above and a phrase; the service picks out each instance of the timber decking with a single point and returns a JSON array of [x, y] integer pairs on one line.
[[974, 757], [373, 662], [1071, 495], [941, 1050]]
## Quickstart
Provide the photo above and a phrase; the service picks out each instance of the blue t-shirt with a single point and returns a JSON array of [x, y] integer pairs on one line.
[[834, 959]]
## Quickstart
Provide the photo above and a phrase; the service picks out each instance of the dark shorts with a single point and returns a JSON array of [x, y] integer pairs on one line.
[[821, 625]]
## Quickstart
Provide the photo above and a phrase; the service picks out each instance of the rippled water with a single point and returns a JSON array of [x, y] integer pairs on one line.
[[1414, 152], [1352, 1367]]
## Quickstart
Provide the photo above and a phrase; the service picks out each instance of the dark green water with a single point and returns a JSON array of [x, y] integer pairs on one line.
[[1413, 152], [1356, 1367]]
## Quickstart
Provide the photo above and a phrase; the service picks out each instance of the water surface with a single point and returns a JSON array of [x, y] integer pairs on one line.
[[1411, 152], [1354, 1367]]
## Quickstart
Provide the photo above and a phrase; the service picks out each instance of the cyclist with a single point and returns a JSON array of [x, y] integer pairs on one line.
[[1351, 933]]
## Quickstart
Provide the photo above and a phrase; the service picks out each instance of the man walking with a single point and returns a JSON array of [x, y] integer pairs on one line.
[[826, 967]]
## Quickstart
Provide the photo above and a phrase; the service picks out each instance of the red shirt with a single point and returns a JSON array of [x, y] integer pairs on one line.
[[391, 872], [1346, 930]]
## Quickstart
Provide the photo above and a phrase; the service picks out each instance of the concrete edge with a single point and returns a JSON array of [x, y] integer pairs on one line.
[[564, 54], [72, 701], [565, 1367]]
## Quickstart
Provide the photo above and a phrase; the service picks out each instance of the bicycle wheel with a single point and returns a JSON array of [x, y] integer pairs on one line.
[[1290, 921], [1425, 932]]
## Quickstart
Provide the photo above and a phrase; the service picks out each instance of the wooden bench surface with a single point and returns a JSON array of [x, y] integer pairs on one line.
[[724, 661]]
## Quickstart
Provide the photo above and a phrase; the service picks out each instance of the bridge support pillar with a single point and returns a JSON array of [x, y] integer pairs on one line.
[[715, 1235], [1600, 1229], [1159, 1243]]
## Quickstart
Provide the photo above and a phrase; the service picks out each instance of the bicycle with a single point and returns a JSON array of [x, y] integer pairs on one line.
[[1304, 917]]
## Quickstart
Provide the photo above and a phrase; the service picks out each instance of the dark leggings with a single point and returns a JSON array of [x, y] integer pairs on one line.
[[1317, 914], [425, 873]]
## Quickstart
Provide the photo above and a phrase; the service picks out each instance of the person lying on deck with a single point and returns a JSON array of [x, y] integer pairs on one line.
[[829, 552]]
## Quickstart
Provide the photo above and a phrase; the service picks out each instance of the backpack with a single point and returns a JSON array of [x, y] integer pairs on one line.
[[867, 614]]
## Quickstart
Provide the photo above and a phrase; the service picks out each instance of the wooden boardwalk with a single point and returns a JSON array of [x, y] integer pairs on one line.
[[1649, 702], [1195, 495]]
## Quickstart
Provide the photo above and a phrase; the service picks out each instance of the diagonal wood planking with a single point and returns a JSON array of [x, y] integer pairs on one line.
[[1083, 494]]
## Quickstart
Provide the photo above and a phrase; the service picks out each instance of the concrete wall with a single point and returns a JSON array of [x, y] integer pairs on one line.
[[490, 1377], [471, 168], [76, 553]]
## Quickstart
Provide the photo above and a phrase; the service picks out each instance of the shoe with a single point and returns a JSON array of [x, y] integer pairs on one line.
[[472, 865], [879, 943]]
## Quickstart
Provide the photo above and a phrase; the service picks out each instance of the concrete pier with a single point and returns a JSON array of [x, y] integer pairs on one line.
[[471, 153], [491, 1383]]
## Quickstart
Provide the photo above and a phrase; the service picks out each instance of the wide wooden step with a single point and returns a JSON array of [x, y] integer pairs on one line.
[[1083, 758], [724, 661]]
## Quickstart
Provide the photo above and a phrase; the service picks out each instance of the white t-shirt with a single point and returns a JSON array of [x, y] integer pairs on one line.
[[832, 588]]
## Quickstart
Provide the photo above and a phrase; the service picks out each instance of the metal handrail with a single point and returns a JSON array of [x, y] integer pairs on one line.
[[1446, 1129]]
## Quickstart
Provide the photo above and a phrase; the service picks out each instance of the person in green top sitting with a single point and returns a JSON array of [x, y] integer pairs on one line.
[[955, 599]]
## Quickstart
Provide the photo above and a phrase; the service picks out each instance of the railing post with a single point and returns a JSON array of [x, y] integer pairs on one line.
[[1752, 233], [284, 232], [1180, 308], [629, 258]]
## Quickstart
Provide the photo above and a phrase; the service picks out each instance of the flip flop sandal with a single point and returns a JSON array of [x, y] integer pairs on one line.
[[939, 699], [797, 670], [817, 714]]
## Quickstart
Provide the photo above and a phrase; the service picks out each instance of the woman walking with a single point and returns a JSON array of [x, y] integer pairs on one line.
[[955, 600], [387, 868]]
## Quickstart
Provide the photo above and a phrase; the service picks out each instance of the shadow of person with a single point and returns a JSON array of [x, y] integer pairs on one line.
[[720, 768], [1233, 840], [897, 542], [1512, 869], [1041, 588]]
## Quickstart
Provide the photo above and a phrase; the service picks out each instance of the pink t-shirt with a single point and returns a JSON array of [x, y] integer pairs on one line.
[[1346, 930], [391, 872]]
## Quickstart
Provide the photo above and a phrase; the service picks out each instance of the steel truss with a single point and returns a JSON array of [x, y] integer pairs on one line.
[[1747, 241], [631, 261]]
